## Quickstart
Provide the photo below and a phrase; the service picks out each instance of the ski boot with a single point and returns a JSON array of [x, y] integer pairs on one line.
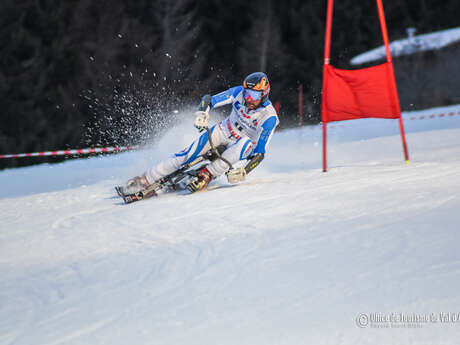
[[200, 181], [135, 185], [136, 189]]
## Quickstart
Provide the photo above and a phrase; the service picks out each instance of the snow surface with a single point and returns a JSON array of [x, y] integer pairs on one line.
[[290, 256], [411, 45]]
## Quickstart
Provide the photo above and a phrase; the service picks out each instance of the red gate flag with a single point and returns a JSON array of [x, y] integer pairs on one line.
[[354, 94], [359, 93]]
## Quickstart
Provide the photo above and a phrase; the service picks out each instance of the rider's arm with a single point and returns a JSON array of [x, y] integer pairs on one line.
[[223, 98], [268, 128]]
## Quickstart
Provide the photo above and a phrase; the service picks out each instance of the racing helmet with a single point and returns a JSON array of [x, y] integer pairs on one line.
[[256, 86]]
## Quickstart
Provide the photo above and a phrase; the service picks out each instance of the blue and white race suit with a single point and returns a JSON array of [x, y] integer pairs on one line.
[[244, 133]]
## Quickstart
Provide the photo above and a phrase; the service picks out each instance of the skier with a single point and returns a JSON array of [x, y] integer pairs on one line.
[[245, 133]]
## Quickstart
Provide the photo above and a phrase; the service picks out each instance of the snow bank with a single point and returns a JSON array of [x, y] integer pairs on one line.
[[411, 45]]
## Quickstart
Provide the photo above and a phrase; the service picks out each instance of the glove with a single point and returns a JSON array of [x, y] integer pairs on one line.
[[254, 161], [201, 120], [236, 175]]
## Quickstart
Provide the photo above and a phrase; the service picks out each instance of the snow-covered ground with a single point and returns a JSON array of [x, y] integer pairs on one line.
[[291, 256]]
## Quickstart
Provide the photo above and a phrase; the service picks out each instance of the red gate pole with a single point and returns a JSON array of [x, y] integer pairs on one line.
[[327, 50], [324, 146], [403, 137], [300, 115], [392, 76]]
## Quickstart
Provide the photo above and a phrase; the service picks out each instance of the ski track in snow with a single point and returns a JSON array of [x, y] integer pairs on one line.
[[290, 256]]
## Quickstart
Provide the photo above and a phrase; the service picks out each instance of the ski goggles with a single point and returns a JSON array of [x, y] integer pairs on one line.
[[251, 95]]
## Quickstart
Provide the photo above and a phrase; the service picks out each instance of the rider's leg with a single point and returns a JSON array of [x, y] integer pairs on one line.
[[237, 152], [189, 154]]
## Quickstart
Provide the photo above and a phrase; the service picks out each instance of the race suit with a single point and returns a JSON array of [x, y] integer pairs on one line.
[[244, 133]]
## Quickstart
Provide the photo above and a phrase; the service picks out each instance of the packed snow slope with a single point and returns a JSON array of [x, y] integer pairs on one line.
[[290, 256]]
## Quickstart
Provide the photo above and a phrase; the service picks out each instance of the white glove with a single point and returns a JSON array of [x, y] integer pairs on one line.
[[201, 120], [236, 175]]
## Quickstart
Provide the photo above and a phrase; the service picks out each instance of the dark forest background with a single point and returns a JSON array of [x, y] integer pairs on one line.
[[88, 73]]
